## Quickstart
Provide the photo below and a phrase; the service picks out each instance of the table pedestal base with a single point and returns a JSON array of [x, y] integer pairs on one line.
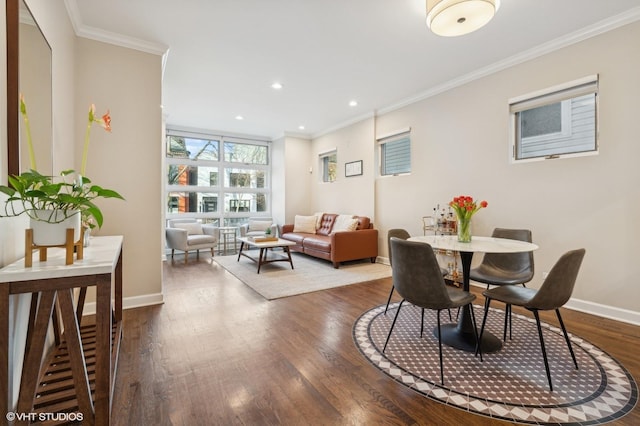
[[453, 336]]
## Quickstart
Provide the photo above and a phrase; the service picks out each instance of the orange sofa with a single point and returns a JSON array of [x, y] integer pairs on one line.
[[335, 246]]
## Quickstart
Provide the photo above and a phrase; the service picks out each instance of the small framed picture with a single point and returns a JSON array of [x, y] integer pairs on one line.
[[353, 168]]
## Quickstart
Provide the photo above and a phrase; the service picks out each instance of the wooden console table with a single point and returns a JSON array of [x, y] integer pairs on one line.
[[78, 375]]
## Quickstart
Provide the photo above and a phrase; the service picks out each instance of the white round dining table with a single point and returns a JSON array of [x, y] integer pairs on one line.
[[460, 335]]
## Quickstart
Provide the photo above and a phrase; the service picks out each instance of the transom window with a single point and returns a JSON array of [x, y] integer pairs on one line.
[[555, 122], [394, 153], [329, 165]]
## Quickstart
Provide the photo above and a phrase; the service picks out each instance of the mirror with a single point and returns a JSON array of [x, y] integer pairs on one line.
[[29, 73]]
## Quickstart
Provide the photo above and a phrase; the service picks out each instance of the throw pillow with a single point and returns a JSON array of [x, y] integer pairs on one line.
[[345, 222], [191, 228], [318, 219], [306, 224], [259, 225]]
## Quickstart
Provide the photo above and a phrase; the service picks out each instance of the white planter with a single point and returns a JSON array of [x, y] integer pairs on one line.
[[46, 233]]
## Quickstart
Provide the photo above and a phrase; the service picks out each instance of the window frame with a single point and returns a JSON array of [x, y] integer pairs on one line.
[[563, 94], [324, 162], [384, 139], [223, 216]]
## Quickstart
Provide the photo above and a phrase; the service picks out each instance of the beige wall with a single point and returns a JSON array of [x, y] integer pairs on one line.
[[348, 195], [127, 82], [291, 180], [460, 146]]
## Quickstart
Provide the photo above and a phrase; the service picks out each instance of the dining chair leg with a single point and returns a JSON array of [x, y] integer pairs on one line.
[[389, 299], [422, 323], [440, 350], [566, 337], [392, 325], [507, 316], [544, 351], [475, 331], [487, 302]]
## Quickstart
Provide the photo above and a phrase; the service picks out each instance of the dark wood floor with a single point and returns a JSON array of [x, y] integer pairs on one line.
[[217, 353]]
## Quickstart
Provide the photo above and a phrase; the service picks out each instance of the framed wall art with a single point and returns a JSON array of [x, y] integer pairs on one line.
[[353, 168]]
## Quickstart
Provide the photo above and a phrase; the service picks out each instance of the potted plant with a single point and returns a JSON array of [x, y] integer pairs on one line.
[[66, 200]]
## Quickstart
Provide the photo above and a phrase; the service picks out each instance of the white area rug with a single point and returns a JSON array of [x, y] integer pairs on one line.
[[278, 280]]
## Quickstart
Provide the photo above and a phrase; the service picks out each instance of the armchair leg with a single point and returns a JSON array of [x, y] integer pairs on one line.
[[186, 256], [212, 251], [172, 251]]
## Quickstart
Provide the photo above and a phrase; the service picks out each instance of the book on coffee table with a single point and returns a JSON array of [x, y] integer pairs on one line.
[[263, 239]]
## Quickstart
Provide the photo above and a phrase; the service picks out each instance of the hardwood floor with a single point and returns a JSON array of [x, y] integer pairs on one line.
[[217, 353]]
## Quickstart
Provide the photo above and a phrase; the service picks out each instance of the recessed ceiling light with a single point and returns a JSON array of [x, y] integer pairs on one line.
[[277, 85], [353, 103], [301, 127], [239, 117]]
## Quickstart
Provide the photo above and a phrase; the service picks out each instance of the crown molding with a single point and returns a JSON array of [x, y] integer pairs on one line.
[[109, 37], [344, 124], [596, 29]]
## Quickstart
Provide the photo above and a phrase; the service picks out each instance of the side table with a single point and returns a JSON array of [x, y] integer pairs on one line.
[[228, 238], [91, 350]]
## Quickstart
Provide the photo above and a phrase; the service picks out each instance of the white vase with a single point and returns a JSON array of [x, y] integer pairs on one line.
[[48, 233]]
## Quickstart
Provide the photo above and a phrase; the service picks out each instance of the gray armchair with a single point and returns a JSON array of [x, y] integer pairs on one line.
[[256, 227], [189, 234]]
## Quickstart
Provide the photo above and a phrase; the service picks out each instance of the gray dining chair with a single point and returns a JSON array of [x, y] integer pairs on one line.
[[500, 269], [418, 279], [553, 294], [403, 235]]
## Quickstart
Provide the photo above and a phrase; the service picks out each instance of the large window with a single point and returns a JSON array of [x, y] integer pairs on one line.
[[221, 180], [395, 153], [555, 122], [329, 165]]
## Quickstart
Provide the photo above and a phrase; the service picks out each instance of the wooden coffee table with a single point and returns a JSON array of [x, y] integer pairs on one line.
[[264, 246]]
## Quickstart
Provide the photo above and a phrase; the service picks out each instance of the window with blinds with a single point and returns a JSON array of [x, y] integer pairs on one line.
[[395, 154], [555, 122]]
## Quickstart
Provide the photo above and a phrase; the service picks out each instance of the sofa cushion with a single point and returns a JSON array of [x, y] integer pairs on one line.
[[296, 238], [318, 242], [201, 239], [306, 224], [191, 228], [344, 222], [326, 224]]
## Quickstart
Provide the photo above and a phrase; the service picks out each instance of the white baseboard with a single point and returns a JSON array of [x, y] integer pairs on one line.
[[129, 302], [611, 312], [605, 311]]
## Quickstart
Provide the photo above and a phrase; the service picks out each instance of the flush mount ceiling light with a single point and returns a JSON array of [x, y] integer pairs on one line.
[[451, 18], [277, 85]]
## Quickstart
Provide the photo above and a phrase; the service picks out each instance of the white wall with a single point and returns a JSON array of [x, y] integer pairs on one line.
[[460, 146]]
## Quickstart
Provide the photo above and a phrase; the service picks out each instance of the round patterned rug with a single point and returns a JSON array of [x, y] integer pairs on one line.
[[509, 384]]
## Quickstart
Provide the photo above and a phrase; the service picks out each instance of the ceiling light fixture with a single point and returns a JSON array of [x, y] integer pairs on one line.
[[239, 117], [353, 103], [301, 127], [452, 18], [276, 85]]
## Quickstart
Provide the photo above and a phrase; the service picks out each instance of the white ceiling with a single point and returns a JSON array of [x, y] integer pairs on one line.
[[223, 55]]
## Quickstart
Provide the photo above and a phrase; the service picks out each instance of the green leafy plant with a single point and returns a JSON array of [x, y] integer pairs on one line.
[[71, 193]]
